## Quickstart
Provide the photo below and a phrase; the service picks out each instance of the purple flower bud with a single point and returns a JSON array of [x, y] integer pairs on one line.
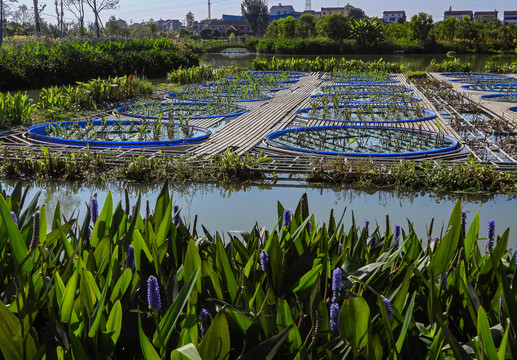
[[264, 261], [373, 242], [337, 282], [94, 209], [366, 225], [204, 317], [388, 307], [444, 283], [176, 221], [130, 258], [397, 235], [490, 233], [286, 218], [334, 318], [13, 214], [463, 217], [339, 248], [153, 293], [35, 230]]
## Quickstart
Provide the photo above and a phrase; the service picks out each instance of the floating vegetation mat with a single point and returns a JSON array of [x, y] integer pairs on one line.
[[182, 110], [355, 113], [363, 141], [365, 88], [260, 85], [508, 97], [474, 75], [480, 80], [361, 77], [366, 98], [497, 87], [222, 93], [276, 74], [118, 133]]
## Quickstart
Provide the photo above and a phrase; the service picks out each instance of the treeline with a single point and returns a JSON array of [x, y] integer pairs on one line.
[[337, 34], [43, 62]]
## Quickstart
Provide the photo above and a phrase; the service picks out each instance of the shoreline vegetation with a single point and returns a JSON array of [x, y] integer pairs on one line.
[[144, 283]]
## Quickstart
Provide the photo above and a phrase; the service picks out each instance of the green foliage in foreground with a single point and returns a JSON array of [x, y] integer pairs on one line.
[[31, 64], [72, 292], [454, 65], [15, 109], [321, 64]]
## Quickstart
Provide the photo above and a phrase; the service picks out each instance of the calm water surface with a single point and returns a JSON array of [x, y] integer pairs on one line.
[[222, 209]]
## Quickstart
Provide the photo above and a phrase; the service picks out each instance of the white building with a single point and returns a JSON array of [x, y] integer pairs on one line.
[[478, 15], [281, 10], [510, 17], [394, 17], [458, 14]]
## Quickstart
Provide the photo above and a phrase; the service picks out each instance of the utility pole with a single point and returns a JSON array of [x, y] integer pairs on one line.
[[209, 16], [308, 6]]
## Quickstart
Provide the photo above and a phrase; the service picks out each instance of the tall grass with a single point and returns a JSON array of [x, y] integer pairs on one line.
[[122, 284]]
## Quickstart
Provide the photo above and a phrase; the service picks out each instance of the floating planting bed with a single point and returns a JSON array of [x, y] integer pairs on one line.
[[508, 97], [480, 80], [288, 74], [220, 94], [359, 77], [261, 85], [355, 113], [182, 110], [118, 133], [365, 88], [499, 87], [474, 75], [363, 141], [379, 98]]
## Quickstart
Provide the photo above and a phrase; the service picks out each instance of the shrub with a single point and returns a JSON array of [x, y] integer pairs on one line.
[[15, 109]]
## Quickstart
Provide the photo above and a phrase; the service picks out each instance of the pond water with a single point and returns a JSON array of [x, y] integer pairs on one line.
[[410, 61], [239, 208]]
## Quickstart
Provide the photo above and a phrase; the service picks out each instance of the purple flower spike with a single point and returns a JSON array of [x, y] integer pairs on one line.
[[153, 293], [366, 225], [337, 284], [388, 307], [373, 241], [177, 219], [286, 218], [204, 317], [13, 214], [264, 261], [35, 230], [463, 217], [444, 283], [130, 258], [334, 318], [490, 233], [339, 248], [94, 209], [397, 235]]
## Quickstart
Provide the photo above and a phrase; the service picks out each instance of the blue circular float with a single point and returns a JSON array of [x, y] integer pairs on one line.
[[489, 87], [161, 110], [120, 129], [331, 138], [506, 97], [366, 88]]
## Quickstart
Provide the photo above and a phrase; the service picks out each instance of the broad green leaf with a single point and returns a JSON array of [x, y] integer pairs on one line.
[[140, 245], [471, 238], [267, 349], [502, 348], [224, 264], [168, 322], [99, 309], [484, 333], [69, 297], [308, 280], [15, 237], [186, 352], [216, 343], [161, 235], [192, 262], [103, 223], [407, 321], [354, 318], [12, 346], [114, 323], [148, 350], [122, 284], [243, 322], [284, 319]]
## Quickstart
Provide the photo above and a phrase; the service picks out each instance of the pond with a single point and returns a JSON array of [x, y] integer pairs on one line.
[[410, 61], [239, 208]]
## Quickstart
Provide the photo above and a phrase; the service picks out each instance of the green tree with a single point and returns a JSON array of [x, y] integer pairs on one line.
[[354, 12], [335, 26], [287, 27], [116, 27], [97, 7], [420, 26], [306, 26], [256, 14], [366, 32], [446, 29]]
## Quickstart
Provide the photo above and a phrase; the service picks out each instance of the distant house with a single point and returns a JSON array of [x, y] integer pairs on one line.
[[168, 25], [510, 17], [394, 16], [478, 15], [326, 11], [239, 26], [226, 17], [281, 10], [458, 14]]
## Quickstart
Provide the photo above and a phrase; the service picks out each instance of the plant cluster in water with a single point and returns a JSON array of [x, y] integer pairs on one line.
[[364, 113], [497, 87], [364, 88], [138, 281], [360, 77], [329, 96], [121, 131], [362, 140]]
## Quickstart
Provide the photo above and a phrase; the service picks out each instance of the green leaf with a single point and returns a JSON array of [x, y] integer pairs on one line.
[[148, 350], [354, 318], [502, 348], [114, 323], [186, 352], [101, 227], [308, 280], [69, 297], [284, 319], [122, 284], [168, 322], [267, 349], [12, 345], [15, 237], [161, 235], [216, 343], [192, 262], [483, 329], [471, 238], [407, 320], [224, 264]]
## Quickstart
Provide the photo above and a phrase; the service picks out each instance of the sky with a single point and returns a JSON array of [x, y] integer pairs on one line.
[[138, 10]]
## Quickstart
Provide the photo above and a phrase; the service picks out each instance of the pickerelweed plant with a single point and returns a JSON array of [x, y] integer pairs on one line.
[[303, 290]]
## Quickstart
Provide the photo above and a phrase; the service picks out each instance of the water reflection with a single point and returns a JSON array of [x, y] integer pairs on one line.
[[241, 206]]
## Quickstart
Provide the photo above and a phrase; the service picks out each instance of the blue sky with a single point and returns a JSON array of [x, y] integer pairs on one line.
[[138, 10]]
